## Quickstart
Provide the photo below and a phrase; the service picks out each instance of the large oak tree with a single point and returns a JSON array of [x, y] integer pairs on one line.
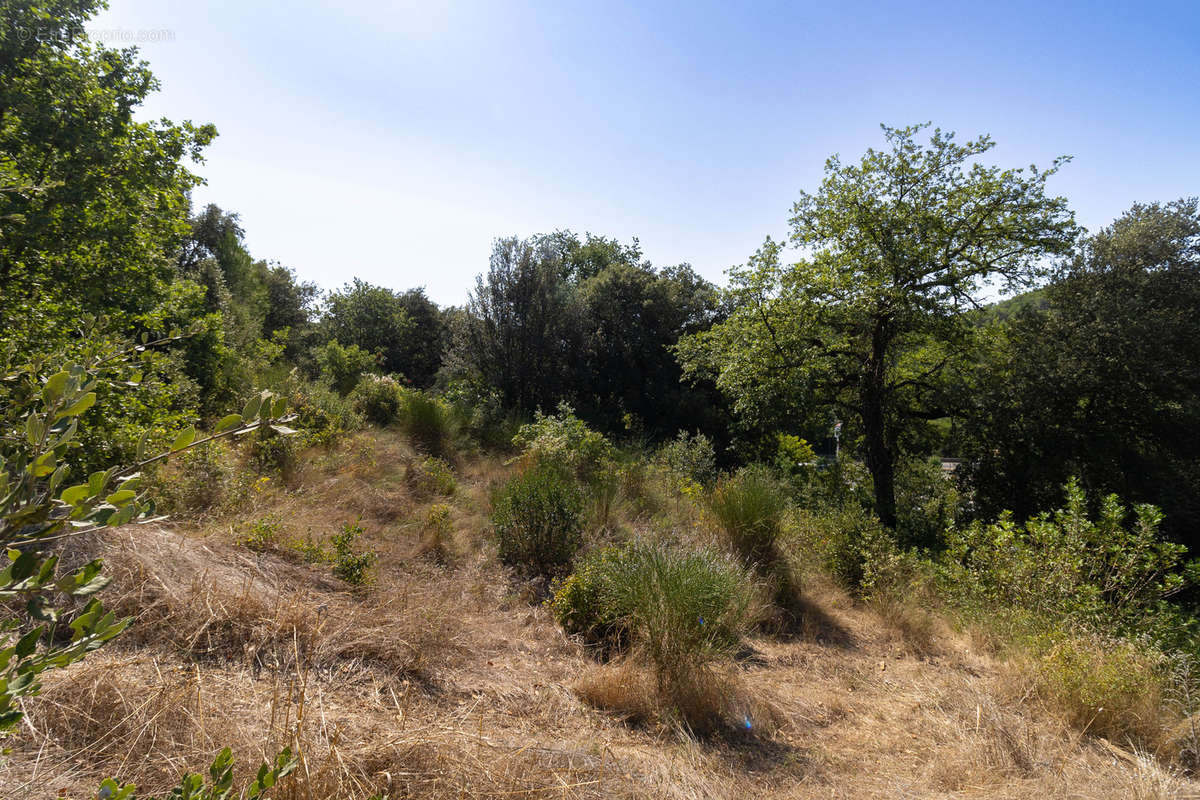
[[893, 252]]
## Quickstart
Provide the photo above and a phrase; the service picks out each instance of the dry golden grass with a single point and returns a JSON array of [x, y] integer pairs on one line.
[[442, 681]]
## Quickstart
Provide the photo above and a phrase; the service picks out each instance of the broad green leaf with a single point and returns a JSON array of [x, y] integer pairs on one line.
[[54, 387], [250, 411], [78, 407], [184, 438]]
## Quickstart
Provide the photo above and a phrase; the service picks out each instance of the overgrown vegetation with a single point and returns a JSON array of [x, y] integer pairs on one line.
[[538, 519], [684, 456]]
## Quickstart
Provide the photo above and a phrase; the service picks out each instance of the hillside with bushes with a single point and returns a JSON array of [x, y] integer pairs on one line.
[[607, 529]]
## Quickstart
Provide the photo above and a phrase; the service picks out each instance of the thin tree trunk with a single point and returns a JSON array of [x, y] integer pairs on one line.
[[880, 458]]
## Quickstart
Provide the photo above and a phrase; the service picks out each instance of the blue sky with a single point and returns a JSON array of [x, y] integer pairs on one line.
[[394, 141]]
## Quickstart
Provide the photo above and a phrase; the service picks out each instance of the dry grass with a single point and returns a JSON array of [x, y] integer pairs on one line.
[[440, 681]]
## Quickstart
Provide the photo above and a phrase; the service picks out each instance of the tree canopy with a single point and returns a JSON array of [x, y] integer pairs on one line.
[[893, 252]]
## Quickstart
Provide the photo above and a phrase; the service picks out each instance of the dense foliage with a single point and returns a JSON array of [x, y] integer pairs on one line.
[[130, 323]]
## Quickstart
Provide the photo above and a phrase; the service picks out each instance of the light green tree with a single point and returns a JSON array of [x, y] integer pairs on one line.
[[893, 252]]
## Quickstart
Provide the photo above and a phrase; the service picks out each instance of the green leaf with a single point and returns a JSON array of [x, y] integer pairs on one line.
[[75, 494], [121, 497], [78, 407], [55, 385], [122, 515], [28, 643], [184, 438], [142, 444], [250, 411], [228, 423]]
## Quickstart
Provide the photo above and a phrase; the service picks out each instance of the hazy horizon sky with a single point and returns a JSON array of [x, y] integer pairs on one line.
[[395, 141]]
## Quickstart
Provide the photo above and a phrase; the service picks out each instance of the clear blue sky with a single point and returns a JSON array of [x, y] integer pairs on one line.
[[394, 141]]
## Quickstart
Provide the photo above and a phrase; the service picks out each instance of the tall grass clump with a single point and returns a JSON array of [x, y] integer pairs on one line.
[[538, 520], [682, 611], [749, 506], [427, 420]]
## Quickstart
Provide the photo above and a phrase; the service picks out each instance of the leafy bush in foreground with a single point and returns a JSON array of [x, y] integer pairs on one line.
[[38, 427], [538, 519]]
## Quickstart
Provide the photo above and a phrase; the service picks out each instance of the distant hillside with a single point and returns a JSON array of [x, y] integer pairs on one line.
[[1003, 310]]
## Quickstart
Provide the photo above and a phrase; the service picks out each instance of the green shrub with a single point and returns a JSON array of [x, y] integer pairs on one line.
[[1111, 573], [197, 483], [846, 543], [431, 476], [349, 564], [794, 456], [321, 413], [437, 531], [274, 452], [564, 439], [582, 604], [691, 458], [481, 411], [262, 534], [343, 367], [538, 519], [749, 507], [928, 504], [378, 398], [681, 608]]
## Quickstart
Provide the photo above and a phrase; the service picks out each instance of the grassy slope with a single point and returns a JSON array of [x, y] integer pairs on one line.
[[443, 680]]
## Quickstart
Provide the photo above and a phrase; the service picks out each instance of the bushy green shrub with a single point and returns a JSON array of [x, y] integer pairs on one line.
[[262, 534], [839, 484], [431, 476], [350, 564], [582, 604], [794, 457], [1112, 573], [748, 506], [928, 504], [690, 457], [197, 482], [1108, 687], [343, 367], [321, 413], [564, 439], [480, 410], [681, 608], [850, 544], [378, 398], [538, 519], [271, 452], [437, 530]]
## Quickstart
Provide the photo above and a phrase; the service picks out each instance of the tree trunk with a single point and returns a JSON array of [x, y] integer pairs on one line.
[[880, 458], [881, 465]]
